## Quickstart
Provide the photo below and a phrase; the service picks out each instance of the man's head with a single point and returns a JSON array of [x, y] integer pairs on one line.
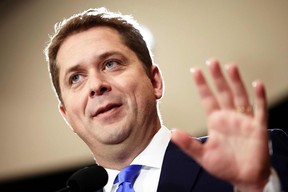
[[125, 25], [108, 87]]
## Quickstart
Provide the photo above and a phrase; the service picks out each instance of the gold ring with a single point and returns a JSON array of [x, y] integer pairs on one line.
[[243, 109]]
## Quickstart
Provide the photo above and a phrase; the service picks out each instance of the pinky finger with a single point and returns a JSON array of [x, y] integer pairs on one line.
[[260, 103]]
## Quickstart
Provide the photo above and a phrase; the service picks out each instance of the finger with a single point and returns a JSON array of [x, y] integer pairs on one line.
[[208, 100], [225, 97], [188, 144], [260, 103], [239, 92]]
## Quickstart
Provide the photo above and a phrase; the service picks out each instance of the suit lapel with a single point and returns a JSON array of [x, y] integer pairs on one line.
[[179, 172]]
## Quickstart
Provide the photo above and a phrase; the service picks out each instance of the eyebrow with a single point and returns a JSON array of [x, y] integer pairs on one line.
[[110, 53]]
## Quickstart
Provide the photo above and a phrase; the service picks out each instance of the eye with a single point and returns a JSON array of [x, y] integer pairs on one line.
[[75, 78], [111, 64]]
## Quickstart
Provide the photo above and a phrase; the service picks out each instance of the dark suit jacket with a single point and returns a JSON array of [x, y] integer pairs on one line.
[[180, 173]]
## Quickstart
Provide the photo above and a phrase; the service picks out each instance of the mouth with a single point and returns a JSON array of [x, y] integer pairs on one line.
[[106, 109]]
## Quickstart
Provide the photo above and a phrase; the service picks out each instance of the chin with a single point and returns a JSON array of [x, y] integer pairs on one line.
[[115, 137]]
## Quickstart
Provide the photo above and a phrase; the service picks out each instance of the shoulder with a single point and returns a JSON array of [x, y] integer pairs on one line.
[[279, 141], [277, 133], [279, 154], [274, 134]]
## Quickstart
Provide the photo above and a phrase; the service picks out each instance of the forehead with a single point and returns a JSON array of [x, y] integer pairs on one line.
[[96, 40]]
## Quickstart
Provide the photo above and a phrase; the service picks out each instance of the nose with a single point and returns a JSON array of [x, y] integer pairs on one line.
[[98, 86]]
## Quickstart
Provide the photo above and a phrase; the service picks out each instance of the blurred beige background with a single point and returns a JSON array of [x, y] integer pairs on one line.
[[33, 136]]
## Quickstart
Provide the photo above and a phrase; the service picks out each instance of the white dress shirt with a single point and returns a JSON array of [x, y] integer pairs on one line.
[[151, 160]]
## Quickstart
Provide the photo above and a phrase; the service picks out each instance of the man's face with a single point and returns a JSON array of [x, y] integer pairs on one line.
[[108, 98]]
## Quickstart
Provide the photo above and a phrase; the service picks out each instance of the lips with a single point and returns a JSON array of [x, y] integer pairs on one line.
[[106, 108]]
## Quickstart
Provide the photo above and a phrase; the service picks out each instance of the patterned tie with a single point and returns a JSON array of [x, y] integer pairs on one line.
[[127, 177]]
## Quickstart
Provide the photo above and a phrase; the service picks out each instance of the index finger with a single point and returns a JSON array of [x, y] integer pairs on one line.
[[208, 100]]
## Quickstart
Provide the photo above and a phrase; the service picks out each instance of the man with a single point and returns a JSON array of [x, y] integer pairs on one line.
[[108, 87]]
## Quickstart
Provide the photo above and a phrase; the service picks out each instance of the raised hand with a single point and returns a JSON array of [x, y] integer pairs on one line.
[[237, 148]]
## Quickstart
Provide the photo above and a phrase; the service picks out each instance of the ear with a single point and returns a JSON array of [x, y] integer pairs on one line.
[[63, 112], [157, 82]]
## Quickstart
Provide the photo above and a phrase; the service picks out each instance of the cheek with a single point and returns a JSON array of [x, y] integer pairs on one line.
[[75, 107], [143, 93], [76, 119]]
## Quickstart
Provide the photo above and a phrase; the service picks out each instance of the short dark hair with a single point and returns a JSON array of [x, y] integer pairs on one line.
[[127, 27]]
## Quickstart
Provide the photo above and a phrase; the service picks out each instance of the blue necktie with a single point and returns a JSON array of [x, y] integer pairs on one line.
[[127, 177]]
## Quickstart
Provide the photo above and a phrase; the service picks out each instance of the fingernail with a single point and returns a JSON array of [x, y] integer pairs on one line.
[[192, 69], [173, 130], [211, 60], [254, 83], [227, 66], [208, 62]]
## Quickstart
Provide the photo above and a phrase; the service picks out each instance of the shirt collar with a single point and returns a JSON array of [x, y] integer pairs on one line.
[[153, 154]]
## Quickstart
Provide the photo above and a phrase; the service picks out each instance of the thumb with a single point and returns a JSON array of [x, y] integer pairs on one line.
[[190, 145]]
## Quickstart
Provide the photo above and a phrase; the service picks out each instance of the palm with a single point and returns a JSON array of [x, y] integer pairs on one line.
[[227, 148]]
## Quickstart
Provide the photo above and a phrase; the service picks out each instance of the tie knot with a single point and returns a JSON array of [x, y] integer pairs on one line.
[[128, 174]]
